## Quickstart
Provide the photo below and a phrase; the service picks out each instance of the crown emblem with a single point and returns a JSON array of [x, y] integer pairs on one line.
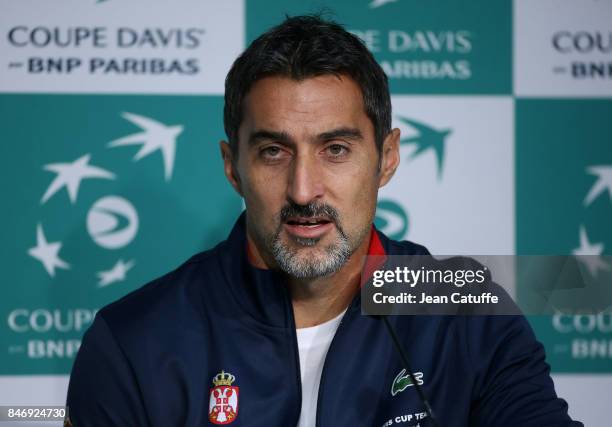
[[223, 378]]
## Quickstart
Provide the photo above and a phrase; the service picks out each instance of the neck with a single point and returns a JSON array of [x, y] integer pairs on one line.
[[318, 300]]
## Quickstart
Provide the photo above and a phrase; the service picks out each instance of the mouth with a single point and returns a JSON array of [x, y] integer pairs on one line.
[[308, 227]]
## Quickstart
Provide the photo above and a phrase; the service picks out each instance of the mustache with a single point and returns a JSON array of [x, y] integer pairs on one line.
[[310, 210]]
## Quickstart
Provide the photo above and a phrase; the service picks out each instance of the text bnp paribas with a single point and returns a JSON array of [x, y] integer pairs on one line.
[[121, 50]]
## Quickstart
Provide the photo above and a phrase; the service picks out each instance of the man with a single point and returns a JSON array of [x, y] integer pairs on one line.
[[266, 328]]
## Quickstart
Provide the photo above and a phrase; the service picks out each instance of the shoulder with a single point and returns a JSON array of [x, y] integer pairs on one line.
[[171, 300], [406, 247], [400, 247]]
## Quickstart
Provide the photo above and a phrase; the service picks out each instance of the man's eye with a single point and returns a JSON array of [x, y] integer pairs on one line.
[[271, 151], [337, 150]]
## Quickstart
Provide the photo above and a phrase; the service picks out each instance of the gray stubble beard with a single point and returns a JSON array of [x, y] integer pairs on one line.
[[309, 267]]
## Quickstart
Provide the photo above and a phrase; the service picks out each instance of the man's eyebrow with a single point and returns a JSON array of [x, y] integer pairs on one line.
[[284, 138], [343, 132], [266, 135]]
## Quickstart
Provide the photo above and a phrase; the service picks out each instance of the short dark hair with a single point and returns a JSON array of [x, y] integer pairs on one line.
[[303, 47]]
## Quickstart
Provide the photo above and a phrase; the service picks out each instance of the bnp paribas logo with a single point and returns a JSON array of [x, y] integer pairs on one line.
[[391, 218], [112, 221], [426, 139]]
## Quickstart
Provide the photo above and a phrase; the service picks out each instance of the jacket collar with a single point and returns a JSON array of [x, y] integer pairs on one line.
[[262, 293]]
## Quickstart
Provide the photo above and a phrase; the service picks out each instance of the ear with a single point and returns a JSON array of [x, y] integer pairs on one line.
[[390, 157], [229, 167]]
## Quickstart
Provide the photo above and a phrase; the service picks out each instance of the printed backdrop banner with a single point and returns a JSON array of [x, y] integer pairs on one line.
[[112, 114]]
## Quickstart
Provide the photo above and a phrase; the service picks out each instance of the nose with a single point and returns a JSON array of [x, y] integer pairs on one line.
[[305, 181]]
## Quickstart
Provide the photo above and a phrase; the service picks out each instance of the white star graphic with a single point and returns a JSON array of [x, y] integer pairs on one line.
[[70, 175], [115, 274], [378, 3], [47, 253], [156, 136], [590, 254], [603, 183]]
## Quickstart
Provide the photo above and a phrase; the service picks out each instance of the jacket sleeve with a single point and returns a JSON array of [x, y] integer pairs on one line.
[[513, 384], [103, 390]]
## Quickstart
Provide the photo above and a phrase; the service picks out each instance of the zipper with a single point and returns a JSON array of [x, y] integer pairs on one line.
[[296, 352], [325, 364]]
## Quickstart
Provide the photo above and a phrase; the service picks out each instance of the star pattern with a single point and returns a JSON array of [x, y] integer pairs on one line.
[[590, 254], [428, 138], [116, 274], [155, 136], [70, 175], [374, 4], [603, 183], [47, 253]]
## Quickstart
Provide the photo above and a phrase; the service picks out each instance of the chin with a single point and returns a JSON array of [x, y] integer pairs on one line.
[[316, 260]]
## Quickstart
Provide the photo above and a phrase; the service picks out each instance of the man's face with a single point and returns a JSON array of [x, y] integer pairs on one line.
[[308, 169]]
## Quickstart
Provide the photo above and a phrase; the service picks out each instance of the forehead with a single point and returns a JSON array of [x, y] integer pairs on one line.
[[309, 106]]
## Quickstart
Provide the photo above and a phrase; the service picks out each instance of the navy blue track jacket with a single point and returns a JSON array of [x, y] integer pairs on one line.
[[149, 359]]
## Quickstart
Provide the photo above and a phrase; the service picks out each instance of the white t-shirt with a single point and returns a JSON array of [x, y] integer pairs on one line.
[[313, 344]]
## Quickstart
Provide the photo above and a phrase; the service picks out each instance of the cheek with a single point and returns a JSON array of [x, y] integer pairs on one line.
[[356, 194], [357, 179], [264, 190]]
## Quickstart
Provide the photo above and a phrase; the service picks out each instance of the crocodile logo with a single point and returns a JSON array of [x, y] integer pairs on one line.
[[402, 381]]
